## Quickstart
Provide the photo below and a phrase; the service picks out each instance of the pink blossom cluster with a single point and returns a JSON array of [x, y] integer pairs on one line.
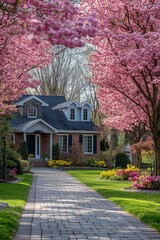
[[147, 182], [127, 174], [58, 21], [13, 172]]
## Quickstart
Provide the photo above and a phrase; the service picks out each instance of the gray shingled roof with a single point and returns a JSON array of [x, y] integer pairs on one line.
[[55, 118]]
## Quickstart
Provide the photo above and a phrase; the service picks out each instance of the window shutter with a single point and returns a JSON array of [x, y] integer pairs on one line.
[[81, 139], [95, 144], [70, 141]]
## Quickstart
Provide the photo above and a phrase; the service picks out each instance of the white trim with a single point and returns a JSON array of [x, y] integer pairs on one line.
[[65, 105], [24, 136], [20, 103], [92, 143], [67, 140], [37, 121], [75, 114], [37, 156], [77, 131], [14, 138], [88, 115]]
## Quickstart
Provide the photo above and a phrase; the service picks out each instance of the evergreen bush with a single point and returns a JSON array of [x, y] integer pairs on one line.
[[12, 155], [121, 160], [55, 151], [23, 150]]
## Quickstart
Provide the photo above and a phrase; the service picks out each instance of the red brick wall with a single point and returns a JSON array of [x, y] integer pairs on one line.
[[55, 138], [18, 139], [45, 144]]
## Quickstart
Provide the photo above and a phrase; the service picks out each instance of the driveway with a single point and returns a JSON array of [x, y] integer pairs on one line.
[[59, 207]]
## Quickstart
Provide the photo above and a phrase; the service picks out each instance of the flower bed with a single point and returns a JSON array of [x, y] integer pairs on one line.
[[88, 163], [100, 163], [58, 163], [146, 182], [121, 174]]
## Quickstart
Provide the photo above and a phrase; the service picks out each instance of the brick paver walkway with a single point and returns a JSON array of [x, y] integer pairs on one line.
[[61, 208]]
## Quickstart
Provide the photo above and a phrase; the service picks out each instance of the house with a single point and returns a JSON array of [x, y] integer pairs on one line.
[[42, 121]]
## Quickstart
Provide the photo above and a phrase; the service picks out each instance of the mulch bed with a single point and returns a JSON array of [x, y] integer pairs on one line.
[[130, 189]]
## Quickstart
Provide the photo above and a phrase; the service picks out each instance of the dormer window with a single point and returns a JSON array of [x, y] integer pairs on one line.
[[72, 114], [85, 114], [32, 112]]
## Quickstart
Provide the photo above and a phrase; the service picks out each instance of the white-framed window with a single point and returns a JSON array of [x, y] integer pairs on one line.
[[63, 143], [32, 112], [85, 114], [72, 114], [88, 144], [13, 138]]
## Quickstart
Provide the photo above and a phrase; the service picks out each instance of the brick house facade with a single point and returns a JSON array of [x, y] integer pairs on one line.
[[42, 121]]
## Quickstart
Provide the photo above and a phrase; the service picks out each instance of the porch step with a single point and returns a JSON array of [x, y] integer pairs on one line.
[[40, 164]]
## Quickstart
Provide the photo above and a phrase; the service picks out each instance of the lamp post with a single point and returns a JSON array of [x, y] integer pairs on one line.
[[4, 139]]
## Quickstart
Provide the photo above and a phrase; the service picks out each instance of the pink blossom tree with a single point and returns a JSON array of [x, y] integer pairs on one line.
[[58, 21], [20, 56], [126, 65], [27, 30]]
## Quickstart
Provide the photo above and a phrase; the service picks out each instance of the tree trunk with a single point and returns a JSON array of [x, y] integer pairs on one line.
[[156, 141], [136, 160], [157, 160]]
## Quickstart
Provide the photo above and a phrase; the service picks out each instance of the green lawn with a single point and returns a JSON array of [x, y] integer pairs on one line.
[[15, 194], [144, 206]]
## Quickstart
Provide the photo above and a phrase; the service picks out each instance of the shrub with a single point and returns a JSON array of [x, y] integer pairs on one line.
[[25, 165], [76, 155], [55, 151], [121, 160], [10, 164], [15, 157], [58, 163], [91, 162], [23, 150], [146, 182]]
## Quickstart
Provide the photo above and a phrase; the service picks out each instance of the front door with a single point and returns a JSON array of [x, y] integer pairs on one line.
[[33, 143]]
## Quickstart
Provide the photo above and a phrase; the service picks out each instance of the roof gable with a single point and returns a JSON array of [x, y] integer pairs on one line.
[[38, 121], [20, 103], [86, 103], [67, 104]]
